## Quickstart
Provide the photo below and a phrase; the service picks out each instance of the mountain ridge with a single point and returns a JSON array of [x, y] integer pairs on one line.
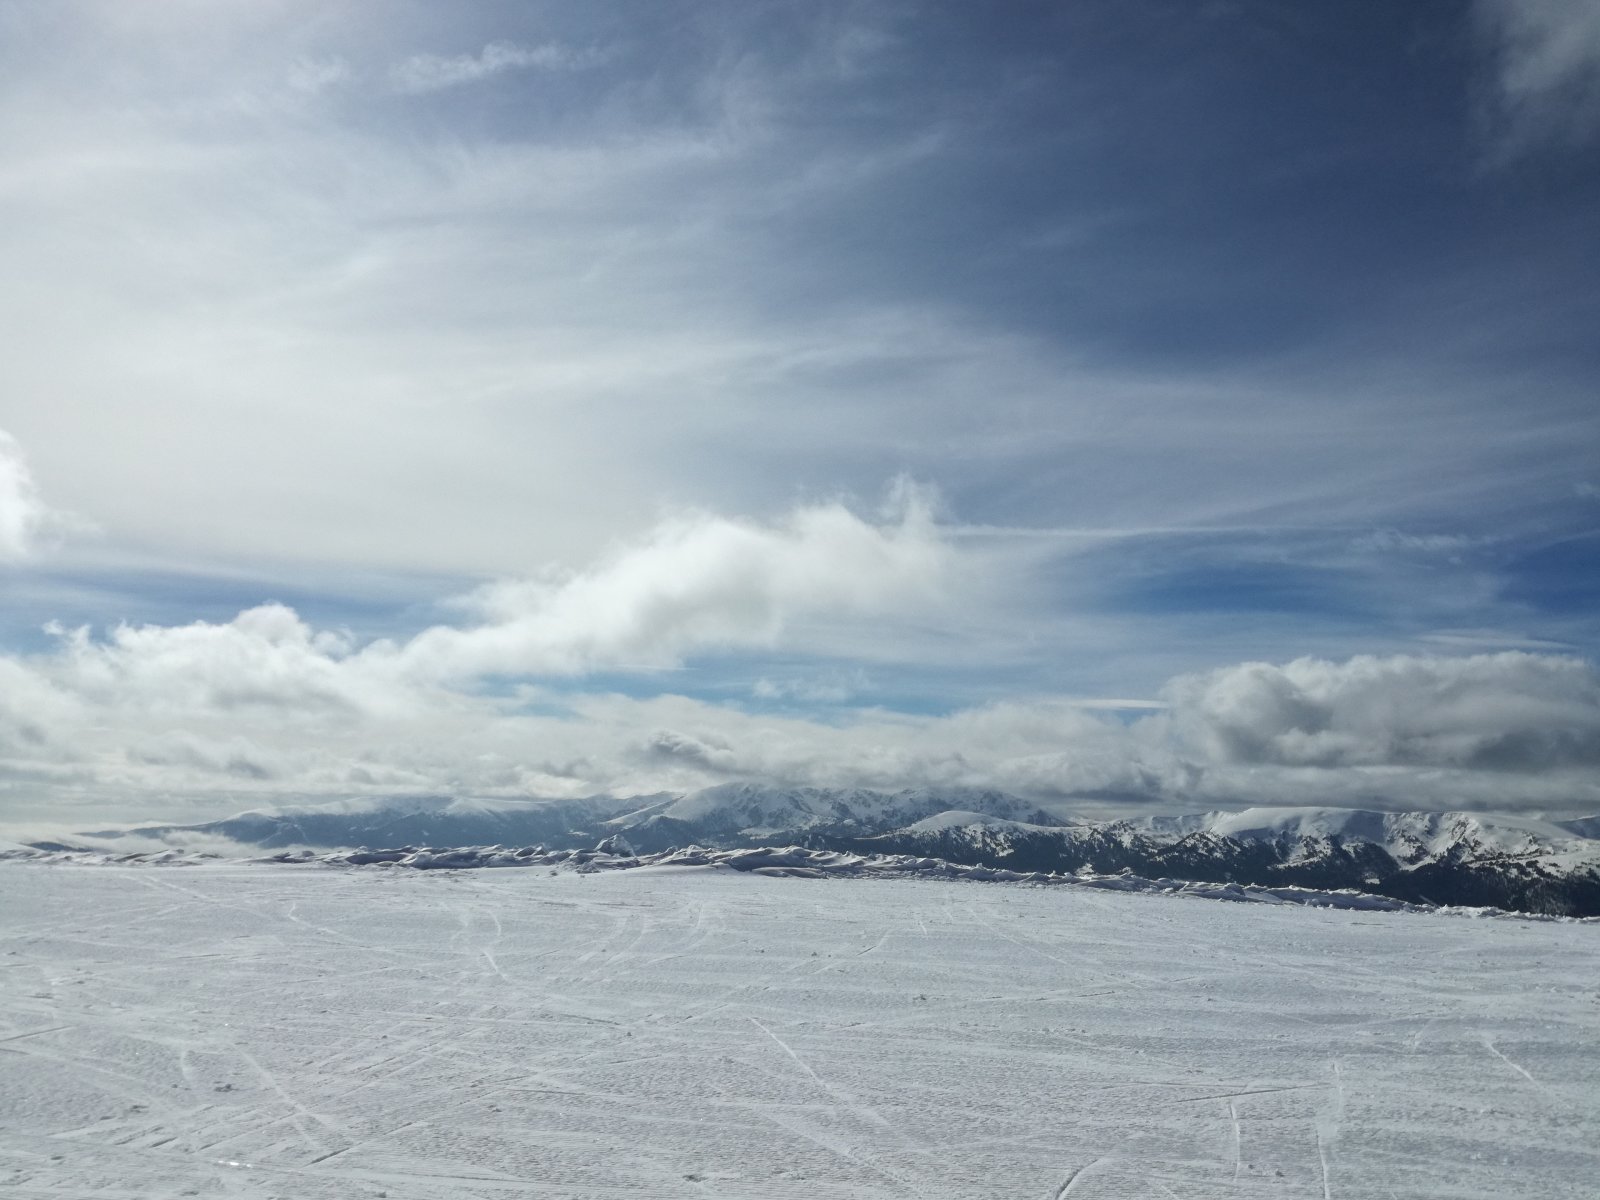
[[1505, 861]]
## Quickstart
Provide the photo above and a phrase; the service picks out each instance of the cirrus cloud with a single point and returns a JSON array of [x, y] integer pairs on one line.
[[436, 72], [1547, 60]]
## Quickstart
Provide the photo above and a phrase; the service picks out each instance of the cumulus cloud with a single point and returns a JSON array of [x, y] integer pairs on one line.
[[23, 513], [1511, 711], [265, 658], [1547, 60], [268, 706], [436, 72], [699, 583], [1486, 731], [709, 752]]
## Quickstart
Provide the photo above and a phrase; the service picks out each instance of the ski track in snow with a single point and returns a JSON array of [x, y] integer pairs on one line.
[[251, 1031]]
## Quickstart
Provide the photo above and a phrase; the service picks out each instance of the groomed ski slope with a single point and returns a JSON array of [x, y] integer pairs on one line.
[[306, 1032]]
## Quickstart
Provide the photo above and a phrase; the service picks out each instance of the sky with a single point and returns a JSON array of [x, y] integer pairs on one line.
[[1138, 405]]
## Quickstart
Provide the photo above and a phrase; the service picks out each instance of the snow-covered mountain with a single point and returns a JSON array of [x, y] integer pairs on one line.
[[747, 813], [1444, 858], [409, 820], [737, 814], [1406, 835]]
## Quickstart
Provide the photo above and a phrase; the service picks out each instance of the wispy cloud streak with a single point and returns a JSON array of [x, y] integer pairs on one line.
[[436, 72], [1547, 62]]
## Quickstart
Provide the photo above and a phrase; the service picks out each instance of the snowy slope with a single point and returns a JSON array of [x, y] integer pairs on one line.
[[1584, 827], [271, 1031]]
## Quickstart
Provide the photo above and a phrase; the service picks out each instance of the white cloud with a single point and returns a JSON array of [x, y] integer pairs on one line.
[[24, 516], [1397, 541], [1547, 59], [237, 756], [705, 753], [833, 686], [310, 76], [249, 329], [194, 720], [265, 660], [436, 72], [698, 583], [1512, 711], [266, 700]]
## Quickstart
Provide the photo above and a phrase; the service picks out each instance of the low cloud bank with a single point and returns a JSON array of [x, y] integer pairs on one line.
[[169, 721], [1512, 712]]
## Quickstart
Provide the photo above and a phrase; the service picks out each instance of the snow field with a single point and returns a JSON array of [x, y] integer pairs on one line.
[[305, 1032]]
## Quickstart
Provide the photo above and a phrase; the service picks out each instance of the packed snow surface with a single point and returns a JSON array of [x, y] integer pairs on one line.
[[311, 1031]]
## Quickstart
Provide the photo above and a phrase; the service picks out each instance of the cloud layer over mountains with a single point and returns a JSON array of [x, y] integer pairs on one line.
[[510, 698]]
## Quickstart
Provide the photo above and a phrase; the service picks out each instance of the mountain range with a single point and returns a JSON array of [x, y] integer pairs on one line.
[[1446, 858]]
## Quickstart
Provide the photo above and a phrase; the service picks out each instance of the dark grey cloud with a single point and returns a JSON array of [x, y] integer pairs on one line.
[[710, 754], [1504, 712]]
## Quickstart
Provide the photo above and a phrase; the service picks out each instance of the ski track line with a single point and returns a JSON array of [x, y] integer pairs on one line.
[[876, 945], [420, 963], [840, 1151], [300, 1109], [494, 965], [1072, 1179], [1238, 1143], [1128, 982], [1329, 1125], [612, 967], [35, 1033], [1000, 933], [1232, 1096], [726, 997], [784, 1046], [850, 1102], [1489, 1045]]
